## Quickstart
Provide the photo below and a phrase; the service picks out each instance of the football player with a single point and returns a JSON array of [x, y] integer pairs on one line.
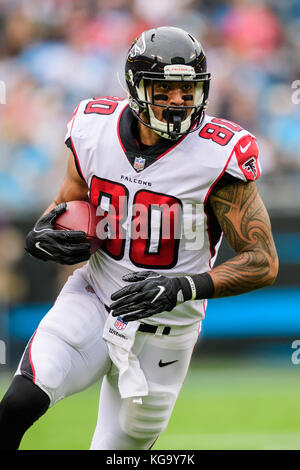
[[173, 180]]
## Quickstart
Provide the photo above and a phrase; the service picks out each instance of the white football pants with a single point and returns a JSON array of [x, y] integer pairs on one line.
[[67, 354]]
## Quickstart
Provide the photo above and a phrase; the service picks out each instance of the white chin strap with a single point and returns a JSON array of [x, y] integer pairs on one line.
[[163, 128]]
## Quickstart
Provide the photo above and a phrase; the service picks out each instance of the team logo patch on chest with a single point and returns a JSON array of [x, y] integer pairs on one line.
[[120, 324], [139, 163]]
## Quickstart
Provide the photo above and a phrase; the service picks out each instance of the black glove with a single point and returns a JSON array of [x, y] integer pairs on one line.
[[61, 246], [151, 293]]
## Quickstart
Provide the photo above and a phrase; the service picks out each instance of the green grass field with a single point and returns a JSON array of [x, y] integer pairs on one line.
[[221, 406]]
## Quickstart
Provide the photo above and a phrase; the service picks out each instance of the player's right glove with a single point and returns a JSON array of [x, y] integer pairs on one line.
[[62, 246]]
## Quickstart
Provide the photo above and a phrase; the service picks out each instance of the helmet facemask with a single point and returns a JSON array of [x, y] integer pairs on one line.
[[180, 120]]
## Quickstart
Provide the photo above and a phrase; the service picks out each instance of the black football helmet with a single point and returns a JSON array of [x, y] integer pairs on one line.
[[172, 54]]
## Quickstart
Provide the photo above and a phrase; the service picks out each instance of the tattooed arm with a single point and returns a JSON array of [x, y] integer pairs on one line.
[[245, 223]]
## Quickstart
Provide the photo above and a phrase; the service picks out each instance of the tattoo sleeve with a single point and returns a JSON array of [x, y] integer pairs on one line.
[[245, 223]]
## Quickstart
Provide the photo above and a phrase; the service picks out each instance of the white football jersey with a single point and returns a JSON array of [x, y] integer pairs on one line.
[[156, 199]]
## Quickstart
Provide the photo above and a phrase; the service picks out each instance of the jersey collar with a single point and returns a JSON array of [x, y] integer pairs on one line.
[[139, 155]]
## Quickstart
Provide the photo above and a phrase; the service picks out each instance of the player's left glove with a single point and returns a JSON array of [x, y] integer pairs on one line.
[[149, 294]]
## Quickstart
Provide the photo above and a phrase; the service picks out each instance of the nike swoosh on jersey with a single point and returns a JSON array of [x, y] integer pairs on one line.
[[38, 245], [161, 290], [163, 364], [244, 149]]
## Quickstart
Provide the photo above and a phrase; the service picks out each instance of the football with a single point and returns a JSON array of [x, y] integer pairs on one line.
[[81, 215]]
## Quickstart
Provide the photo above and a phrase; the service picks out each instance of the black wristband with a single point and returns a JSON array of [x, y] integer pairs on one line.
[[185, 287], [201, 286]]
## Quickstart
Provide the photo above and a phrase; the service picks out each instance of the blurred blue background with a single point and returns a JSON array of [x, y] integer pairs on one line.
[[55, 53]]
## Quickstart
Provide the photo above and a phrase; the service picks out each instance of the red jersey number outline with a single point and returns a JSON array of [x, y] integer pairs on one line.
[[167, 253], [104, 105], [219, 131]]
